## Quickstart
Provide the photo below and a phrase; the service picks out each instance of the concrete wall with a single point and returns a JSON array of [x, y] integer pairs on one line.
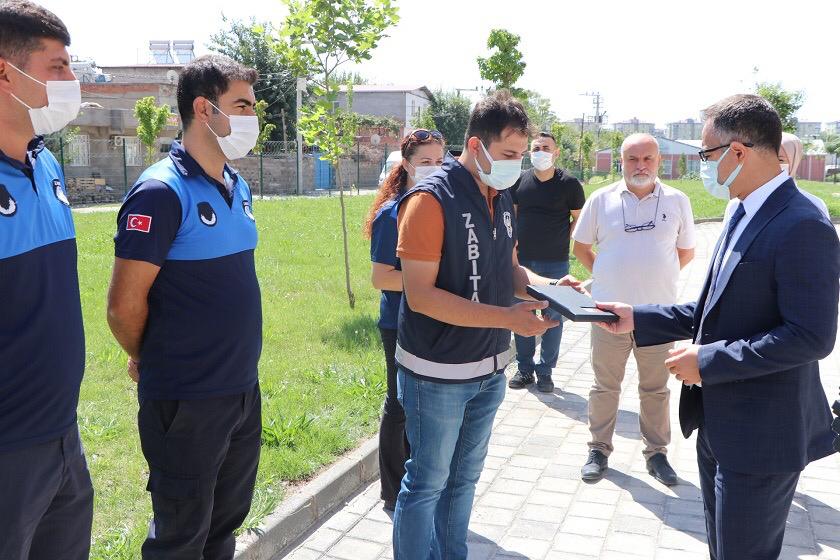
[[377, 103]]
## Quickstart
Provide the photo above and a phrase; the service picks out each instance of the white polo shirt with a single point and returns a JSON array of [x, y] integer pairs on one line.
[[640, 266]]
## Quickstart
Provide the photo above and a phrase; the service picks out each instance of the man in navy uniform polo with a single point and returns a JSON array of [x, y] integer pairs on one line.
[[185, 305], [46, 497]]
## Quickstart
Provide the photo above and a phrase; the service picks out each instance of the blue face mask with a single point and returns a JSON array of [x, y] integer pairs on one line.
[[709, 175], [503, 173]]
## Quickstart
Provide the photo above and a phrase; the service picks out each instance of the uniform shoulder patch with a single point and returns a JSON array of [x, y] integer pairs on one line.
[[59, 192], [138, 222]]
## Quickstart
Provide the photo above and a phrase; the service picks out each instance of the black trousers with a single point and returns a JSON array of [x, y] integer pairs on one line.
[[745, 513], [203, 457], [46, 501], [393, 444]]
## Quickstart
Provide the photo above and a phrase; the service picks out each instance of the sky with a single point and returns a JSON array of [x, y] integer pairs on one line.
[[657, 60]]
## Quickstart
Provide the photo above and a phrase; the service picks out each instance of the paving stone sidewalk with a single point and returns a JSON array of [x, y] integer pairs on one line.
[[530, 502]]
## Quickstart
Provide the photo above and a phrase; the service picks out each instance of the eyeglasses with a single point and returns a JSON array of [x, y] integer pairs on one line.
[[421, 135], [630, 228], [704, 154]]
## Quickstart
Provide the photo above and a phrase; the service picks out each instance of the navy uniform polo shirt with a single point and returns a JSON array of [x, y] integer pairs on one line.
[[203, 334], [42, 345], [383, 250]]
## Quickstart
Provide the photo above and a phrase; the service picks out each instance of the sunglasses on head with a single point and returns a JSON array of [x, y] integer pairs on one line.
[[421, 135]]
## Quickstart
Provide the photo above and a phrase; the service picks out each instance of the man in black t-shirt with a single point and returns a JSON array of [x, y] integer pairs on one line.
[[547, 202]]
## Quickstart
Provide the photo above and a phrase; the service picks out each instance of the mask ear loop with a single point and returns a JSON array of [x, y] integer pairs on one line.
[[208, 124], [18, 99]]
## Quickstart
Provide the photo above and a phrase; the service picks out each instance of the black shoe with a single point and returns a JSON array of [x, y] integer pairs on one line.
[[545, 384], [596, 465], [659, 469], [521, 380]]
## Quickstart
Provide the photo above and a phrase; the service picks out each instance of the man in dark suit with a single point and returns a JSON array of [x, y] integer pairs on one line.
[[767, 313]]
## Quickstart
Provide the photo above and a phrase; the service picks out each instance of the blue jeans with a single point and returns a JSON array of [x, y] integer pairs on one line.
[[448, 427], [550, 347]]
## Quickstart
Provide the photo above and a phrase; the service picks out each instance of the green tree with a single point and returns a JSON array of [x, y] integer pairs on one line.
[[505, 66], [568, 139], [266, 128], [832, 146], [59, 143], [786, 103], [612, 139], [538, 109], [317, 37], [682, 166], [351, 78], [587, 145], [250, 43], [151, 119], [449, 113]]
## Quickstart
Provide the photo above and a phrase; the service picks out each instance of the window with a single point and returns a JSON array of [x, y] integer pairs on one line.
[[80, 150], [667, 167], [133, 150]]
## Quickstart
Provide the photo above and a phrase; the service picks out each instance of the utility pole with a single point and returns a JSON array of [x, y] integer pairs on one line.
[[299, 89], [599, 116]]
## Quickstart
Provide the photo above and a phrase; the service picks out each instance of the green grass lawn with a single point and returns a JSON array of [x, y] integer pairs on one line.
[[321, 371]]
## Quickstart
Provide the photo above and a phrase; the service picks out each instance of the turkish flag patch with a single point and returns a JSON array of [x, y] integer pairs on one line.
[[138, 222]]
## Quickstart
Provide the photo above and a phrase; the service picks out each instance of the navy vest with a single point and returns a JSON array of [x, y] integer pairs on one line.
[[476, 264]]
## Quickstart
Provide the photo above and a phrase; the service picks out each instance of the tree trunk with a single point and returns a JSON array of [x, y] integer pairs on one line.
[[350, 297]]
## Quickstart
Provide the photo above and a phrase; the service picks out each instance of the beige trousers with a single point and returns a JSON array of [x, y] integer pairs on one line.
[[609, 358]]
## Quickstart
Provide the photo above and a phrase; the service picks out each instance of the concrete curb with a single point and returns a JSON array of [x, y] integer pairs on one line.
[[315, 500]]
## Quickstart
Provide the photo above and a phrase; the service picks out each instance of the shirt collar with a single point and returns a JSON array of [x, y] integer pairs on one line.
[[35, 147], [188, 167], [755, 200], [657, 188]]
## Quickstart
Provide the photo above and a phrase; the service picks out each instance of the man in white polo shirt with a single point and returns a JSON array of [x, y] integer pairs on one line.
[[643, 232]]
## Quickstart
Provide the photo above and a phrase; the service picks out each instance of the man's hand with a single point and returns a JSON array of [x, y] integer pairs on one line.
[[625, 317], [134, 370], [683, 364], [570, 280], [522, 320]]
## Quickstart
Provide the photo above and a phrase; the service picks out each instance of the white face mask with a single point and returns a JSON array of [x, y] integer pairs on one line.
[[244, 132], [64, 99], [542, 161], [423, 171], [785, 167], [503, 173]]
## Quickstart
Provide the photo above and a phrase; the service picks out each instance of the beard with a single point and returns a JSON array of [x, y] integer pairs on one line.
[[639, 181]]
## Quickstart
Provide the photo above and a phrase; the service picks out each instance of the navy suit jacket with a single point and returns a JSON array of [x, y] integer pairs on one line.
[[774, 315]]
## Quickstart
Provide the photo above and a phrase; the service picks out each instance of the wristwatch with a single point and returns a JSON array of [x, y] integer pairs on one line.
[[554, 282]]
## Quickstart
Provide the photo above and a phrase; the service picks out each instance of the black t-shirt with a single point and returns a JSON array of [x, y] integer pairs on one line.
[[544, 213]]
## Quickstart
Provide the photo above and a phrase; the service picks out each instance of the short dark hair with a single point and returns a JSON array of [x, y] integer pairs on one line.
[[493, 114], [208, 76], [545, 134], [22, 26], [746, 118]]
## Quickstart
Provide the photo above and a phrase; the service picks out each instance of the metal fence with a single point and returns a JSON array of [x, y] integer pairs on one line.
[[103, 170]]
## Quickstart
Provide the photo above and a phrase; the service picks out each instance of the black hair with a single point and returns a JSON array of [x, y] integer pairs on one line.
[[23, 25], [208, 76], [495, 113], [547, 135], [746, 118]]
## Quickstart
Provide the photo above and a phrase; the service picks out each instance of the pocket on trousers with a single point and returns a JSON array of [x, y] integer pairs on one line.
[[169, 494]]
